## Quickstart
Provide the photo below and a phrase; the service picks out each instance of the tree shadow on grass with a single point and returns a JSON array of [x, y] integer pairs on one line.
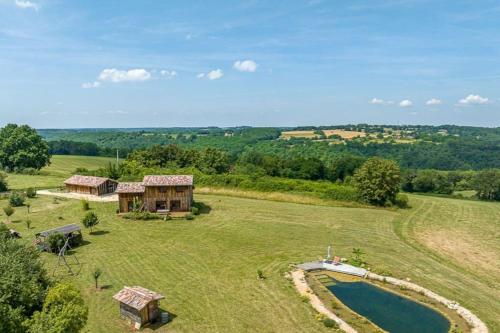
[[106, 286], [99, 233], [203, 208]]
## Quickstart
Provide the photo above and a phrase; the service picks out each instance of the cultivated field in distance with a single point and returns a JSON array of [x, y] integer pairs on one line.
[[298, 134], [344, 134], [347, 135]]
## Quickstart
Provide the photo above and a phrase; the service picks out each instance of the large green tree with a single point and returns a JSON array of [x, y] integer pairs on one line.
[[23, 282], [487, 184], [378, 181], [21, 147], [64, 311]]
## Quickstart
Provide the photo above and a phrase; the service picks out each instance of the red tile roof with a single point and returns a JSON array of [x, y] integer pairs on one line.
[[86, 180], [130, 188], [168, 180], [137, 297]]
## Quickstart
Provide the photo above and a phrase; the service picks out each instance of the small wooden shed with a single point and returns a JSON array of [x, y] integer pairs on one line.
[[139, 305], [90, 185]]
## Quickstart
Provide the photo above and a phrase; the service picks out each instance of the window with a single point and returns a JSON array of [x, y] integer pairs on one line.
[[163, 189], [175, 205], [179, 189], [161, 205]]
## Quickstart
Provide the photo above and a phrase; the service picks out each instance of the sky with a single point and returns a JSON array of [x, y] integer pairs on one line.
[[76, 64]]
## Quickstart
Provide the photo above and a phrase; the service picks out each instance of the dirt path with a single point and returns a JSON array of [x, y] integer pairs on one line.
[[80, 196]]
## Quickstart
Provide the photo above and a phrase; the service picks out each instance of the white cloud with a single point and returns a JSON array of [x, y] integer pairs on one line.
[[434, 101], [200, 76], [133, 75], [474, 99], [168, 74], [377, 101], [245, 66], [25, 4], [117, 112], [89, 85], [406, 103], [212, 75]]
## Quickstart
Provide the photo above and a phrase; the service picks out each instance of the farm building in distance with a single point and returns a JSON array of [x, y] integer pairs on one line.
[[139, 305], [90, 185], [161, 194]]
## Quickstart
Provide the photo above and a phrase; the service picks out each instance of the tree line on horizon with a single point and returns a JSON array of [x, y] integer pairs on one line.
[[23, 149]]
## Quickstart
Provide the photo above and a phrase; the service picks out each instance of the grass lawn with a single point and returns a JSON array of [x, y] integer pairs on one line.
[[207, 268], [60, 169]]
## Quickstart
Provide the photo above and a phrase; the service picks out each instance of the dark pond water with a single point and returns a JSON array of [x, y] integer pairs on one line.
[[389, 311]]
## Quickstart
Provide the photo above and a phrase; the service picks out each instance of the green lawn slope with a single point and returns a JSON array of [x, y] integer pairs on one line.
[[207, 268], [61, 167]]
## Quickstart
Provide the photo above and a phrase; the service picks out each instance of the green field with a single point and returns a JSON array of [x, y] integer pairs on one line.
[[207, 268], [59, 170]]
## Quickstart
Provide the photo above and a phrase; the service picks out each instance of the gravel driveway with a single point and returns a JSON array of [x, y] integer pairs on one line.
[[79, 196]]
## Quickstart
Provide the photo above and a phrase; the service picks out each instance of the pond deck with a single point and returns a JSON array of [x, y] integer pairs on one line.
[[330, 266]]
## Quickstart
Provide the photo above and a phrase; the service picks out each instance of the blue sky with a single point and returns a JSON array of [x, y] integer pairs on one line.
[[262, 63]]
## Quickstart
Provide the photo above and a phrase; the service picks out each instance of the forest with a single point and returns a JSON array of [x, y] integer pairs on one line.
[[260, 159], [440, 147]]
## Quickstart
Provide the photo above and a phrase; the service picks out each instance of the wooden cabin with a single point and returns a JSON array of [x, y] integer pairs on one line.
[[90, 185], [158, 194], [139, 305]]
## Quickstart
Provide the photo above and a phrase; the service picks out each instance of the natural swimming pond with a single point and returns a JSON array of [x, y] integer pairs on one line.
[[391, 312]]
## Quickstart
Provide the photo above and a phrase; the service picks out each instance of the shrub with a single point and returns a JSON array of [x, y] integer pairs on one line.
[[29, 171], [260, 275], [63, 311], [8, 210], [31, 192], [195, 211], [81, 171], [334, 304], [401, 200], [3, 182], [16, 199], [330, 323], [85, 205], [55, 242], [357, 258], [90, 220], [189, 216], [141, 216], [24, 281], [28, 224]]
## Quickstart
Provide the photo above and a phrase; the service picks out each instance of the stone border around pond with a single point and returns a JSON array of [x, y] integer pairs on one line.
[[299, 279], [477, 326], [298, 276]]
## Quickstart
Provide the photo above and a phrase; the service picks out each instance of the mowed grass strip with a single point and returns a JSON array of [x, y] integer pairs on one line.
[[52, 176], [207, 268]]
